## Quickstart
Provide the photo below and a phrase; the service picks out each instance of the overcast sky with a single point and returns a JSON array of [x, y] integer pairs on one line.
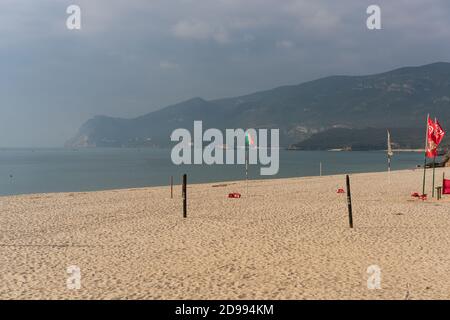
[[134, 56]]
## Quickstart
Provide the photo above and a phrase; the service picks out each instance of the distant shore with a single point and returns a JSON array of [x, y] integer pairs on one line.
[[350, 150]]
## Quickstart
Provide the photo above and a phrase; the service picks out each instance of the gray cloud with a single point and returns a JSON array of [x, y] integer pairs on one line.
[[135, 56]]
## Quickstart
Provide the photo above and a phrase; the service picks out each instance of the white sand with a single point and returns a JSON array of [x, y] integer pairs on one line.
[[288, 240]]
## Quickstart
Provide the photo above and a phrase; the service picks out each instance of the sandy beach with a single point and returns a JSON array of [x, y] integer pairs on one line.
[[286, 239]]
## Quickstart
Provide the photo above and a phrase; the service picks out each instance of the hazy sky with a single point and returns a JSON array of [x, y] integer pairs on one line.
[[135, 56]]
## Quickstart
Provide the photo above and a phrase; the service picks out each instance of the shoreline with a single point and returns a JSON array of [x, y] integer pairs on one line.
[[203, 183]]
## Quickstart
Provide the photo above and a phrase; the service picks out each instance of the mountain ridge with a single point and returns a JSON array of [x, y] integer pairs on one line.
[[399, 98]]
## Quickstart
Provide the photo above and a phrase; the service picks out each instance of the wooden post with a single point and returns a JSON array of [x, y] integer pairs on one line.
[[184, 196], [321, 169], [349, 202], [171, 187]]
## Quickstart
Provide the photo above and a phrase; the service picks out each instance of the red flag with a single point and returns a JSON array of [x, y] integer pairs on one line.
[[438, 132], [431, 151]]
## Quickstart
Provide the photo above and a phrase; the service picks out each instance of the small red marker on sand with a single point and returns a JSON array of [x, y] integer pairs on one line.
[[234, 195]]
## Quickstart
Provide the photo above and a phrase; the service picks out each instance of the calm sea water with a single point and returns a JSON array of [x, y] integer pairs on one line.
[[25, 171]]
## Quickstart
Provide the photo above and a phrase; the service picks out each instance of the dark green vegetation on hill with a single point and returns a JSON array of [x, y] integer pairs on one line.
[[365, 139]]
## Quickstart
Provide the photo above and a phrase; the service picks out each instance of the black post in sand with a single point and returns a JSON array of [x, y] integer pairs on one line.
[[349, 202], [171, 187], [184, 196]]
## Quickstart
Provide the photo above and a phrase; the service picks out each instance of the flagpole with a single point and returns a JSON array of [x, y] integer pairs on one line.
[[434, 167], [246, 167], [425, 157], [434, 172], [389, 152], [247, 147], [389, 169]]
